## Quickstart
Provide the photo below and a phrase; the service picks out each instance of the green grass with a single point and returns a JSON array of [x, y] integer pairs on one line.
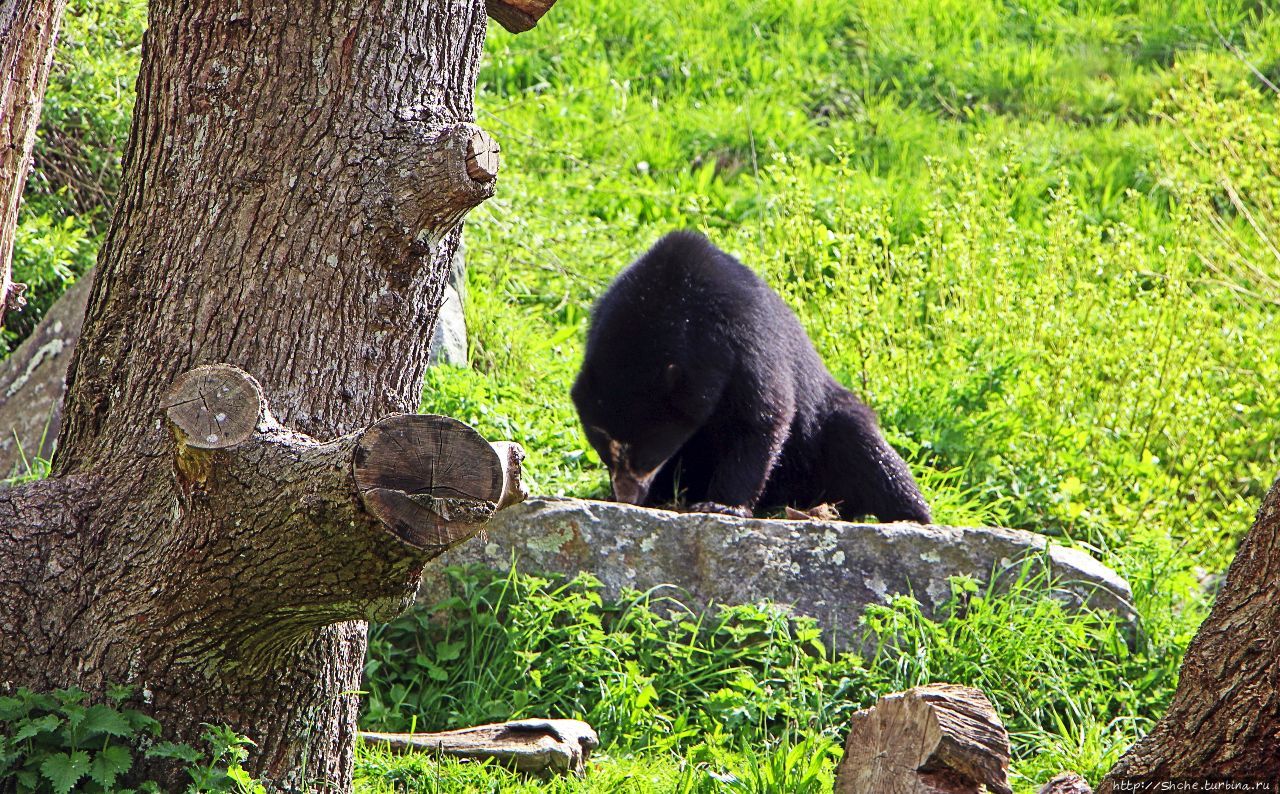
[[988, 236], [751, 692], [1038, 236]]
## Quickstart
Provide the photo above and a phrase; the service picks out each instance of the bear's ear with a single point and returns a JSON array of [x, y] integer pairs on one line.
[[671, 377]]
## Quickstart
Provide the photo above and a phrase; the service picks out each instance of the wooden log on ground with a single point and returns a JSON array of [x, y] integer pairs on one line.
[[1066, 783], [535, 746], [937, 739]]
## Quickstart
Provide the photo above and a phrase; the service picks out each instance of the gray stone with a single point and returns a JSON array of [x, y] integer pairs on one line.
[[829, 570], [449, 342], [33, 379]]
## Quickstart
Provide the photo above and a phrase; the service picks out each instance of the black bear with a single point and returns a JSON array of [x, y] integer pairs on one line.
[[699, 381]]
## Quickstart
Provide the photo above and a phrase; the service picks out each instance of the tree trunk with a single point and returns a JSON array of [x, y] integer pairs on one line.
[[289, 205], [28, 29], [33, 379], [1225, 714]]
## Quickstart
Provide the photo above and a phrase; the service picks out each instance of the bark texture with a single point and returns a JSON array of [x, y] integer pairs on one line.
[[1225, 714], [1066, 783], [28, 29], [289, 205]]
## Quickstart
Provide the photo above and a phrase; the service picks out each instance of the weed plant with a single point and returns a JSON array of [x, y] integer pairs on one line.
[[59, 743]]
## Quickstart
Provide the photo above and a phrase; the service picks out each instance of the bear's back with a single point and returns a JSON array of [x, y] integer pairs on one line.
[[687, 281]]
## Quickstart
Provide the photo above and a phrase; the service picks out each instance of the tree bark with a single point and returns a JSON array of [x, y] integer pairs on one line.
[[28, 29], [1225, 713], [33, 378], [1066, 783], [289, 206]]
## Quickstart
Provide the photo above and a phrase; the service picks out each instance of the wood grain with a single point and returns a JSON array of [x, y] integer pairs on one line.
[[431, 479], [937, 739], [215, 406]]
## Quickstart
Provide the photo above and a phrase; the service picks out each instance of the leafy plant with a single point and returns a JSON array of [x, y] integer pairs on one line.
[[59, 742]]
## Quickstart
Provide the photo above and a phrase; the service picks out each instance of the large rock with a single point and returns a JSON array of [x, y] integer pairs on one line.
[[33, 378], [827, 570], [449, 340]]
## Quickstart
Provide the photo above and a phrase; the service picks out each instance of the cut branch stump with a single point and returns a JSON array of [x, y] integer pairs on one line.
[[535, 746], [517, 16], [483, 158], [433, 480], [937, 739], [215, 406]]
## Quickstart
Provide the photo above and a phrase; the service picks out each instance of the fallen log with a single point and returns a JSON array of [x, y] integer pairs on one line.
[[535, 746], [1066, 783]]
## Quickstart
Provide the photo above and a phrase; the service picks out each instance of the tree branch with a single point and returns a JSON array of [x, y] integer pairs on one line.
[[392, 497], [432, 175]]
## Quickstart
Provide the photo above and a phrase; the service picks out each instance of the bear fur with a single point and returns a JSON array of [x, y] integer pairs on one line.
[[699, 383]]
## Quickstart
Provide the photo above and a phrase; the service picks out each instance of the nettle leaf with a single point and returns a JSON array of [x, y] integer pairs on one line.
[[104, 719], [7, 760], [64, 770], [70, 696], [119, 693], [142, 722], [11, 708], [176, 751], [46, 724], [73, 713], [37, 701], [109, 764]]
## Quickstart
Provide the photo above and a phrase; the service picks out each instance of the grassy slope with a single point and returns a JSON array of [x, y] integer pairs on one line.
[[1025, 232], [1004, 224], [970, 204]]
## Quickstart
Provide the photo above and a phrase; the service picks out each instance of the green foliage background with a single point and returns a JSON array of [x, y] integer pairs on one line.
[[1038, 236]]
